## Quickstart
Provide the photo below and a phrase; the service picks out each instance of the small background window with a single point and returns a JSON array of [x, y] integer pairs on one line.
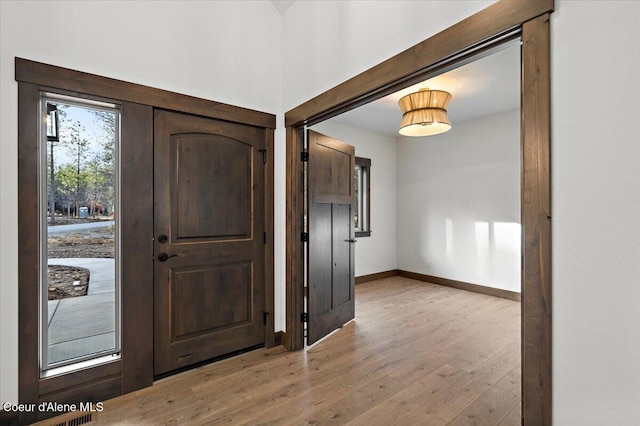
[[362, 185]]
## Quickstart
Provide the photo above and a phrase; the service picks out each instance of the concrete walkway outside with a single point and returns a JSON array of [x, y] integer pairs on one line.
[[85, 324]]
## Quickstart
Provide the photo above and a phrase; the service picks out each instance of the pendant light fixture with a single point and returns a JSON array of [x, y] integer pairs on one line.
[[424, 113]]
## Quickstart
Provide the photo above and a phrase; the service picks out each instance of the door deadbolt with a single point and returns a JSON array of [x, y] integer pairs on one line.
[[163, 239]]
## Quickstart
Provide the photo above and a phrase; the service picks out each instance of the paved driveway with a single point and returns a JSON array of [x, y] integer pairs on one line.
[[75, 227]]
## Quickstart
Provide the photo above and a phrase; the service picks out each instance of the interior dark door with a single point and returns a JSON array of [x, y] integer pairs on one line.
[[209, 250], [331, 278]]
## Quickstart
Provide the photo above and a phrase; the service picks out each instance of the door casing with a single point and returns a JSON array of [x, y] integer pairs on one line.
[[530, 20]]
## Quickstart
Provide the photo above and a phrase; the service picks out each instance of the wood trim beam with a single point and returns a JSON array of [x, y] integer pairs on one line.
[[54, 385], [137, 245], [536, 221], [279, 338], [76, 81], [476, 29], [461, 285], [294, 338], [98, 391], [377, 276], [28, 248], [8, 418], [270, 338]]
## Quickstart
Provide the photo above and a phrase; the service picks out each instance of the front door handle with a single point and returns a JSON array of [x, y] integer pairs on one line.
[[352, 241], [163, 257]]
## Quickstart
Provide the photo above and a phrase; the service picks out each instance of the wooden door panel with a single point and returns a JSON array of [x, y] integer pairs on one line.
[[336, 184], [331, 233], [342, 257], [320, 270], [210, 172], [209, 286], [210, 297]]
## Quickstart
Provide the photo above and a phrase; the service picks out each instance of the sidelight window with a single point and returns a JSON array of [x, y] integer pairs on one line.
[[79, 233]]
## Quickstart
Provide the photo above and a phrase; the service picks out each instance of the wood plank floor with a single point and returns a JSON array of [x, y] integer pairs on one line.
[[416, 354]]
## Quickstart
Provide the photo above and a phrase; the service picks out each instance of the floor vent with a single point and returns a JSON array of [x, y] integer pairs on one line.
[[83, 419]]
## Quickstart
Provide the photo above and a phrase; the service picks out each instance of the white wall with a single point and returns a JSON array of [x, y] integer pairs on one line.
[[327, 42], [225, 51], [596, 213], [459, 202], [376, 253]]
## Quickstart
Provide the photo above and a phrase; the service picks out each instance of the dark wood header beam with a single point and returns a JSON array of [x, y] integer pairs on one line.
[[76, 81]]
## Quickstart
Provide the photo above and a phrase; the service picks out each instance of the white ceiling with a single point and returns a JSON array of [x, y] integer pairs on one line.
[[483, 87]]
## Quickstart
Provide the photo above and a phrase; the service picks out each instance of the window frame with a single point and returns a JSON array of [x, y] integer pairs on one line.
[[364, 197], [48, 368]]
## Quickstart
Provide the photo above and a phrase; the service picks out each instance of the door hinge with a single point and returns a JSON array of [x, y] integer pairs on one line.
[[264, 155], [304, 237], [304, 317], [266, 314], [265, 238], [304, 156]]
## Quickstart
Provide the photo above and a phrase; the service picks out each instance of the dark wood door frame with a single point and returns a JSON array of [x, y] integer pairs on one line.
[[505, 19], [135, 368]]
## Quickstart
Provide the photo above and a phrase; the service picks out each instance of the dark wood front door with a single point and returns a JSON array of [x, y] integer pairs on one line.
[[209, 284], [331, 278]]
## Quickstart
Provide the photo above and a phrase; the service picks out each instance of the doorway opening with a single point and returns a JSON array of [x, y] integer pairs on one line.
[[448, 204], [481, 32], [453, 214]]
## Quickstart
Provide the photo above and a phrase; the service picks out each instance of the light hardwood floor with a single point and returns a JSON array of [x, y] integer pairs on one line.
[[416, 354]]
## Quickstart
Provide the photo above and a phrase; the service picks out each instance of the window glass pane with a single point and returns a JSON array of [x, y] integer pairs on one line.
[[358, 193], [80, 294]]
